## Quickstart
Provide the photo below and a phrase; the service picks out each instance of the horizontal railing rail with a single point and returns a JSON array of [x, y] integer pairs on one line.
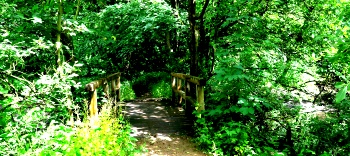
[[186, 92], [111, 88]]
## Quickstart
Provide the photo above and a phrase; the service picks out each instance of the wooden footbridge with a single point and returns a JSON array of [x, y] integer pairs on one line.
[[154, 117]]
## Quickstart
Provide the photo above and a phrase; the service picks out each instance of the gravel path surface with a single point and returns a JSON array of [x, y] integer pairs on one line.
[[162, 128]]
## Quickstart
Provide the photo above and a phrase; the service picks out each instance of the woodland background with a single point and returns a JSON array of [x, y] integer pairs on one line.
[[262, 59]]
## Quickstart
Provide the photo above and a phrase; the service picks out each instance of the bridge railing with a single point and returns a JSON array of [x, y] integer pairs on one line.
[[111, 88], [185, 91]]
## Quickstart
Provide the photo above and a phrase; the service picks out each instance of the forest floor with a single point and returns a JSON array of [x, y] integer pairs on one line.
[[162, 129]]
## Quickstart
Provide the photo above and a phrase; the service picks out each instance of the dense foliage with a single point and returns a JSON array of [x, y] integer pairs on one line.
[[268, 54], [261, 60]]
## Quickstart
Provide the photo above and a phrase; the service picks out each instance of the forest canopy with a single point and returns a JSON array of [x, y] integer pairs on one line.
[[276, 71]]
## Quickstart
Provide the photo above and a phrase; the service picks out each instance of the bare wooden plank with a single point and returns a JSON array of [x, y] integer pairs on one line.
[[114, 79], [100, 82], [183, 95], [113, 76], [173, 83], [179, 84], [179, 92], [189, 78], [92, 86], [113, 88]]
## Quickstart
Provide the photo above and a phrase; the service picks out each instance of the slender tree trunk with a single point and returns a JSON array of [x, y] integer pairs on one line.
[[77, 11], [60, 60], [58, 40], [198, 43], [174, 4], [173, 37]]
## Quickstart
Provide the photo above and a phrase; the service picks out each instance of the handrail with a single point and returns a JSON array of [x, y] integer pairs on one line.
[[177, 79], [113, 80]]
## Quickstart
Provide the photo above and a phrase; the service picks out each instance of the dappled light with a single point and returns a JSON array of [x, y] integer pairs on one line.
[[173, 145], [156, 118], [174, 78]]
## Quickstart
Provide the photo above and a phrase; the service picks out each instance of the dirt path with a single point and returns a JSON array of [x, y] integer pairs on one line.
[[161, 128]]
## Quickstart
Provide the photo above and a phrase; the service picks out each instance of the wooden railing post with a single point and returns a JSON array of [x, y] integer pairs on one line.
[[173, 84], [118, 88], [93, 105], [188, 104], [113, 88], [192, 92], [179, 97], [108, 89], [200, 98]]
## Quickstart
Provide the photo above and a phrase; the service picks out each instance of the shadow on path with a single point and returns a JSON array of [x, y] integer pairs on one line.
[[163, 129], [156, 117]]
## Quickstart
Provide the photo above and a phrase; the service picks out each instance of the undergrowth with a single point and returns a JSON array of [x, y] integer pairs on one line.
[[155, 83], [109, 135], [127, 93], [161, 90]]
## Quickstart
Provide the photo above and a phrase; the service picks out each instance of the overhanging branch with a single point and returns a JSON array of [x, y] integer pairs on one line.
[[204, 9]]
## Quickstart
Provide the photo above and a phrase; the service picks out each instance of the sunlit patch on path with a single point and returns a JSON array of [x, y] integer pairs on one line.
[[161, 127]]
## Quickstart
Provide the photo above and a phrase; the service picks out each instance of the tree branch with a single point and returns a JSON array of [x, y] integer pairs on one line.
[[204, 9], [30, 84]]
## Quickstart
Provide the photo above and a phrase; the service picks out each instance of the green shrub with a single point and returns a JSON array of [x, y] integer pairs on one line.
[[127, 93], [26, 119], [161, 89], [320, 136], [228, 138], [109, 136], [145, 82], [35, 125]]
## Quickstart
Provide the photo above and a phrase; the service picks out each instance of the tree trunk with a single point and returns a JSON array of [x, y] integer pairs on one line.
[[194, 34]]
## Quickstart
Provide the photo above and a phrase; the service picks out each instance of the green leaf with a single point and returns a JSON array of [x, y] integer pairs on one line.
[[341, 94], [77, 152], [242, 101], [244, 110], [216, 111], [97, 129], [232, 109], [238, 66], [339, 85], [3, 91], [266, 104], [35, 8], [231, 19], [20, 15], [251, 110]]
